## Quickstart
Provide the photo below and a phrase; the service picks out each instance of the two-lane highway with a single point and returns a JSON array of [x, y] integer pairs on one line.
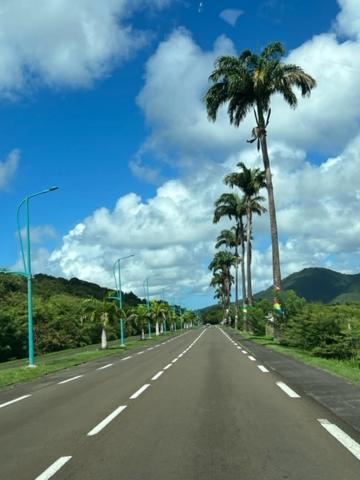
[[199, 407]]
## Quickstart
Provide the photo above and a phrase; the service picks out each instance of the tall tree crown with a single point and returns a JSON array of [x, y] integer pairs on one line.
[[249, 81]]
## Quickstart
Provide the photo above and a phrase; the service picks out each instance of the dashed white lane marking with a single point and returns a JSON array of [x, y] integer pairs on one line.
[[181, 355], [14, 401], [263, 369], [155, 377], [168, 366], [175, 360], [140, 353], [55, 467], [289, 391], [244, 351], [341, 437], [250, 357], [105, 366], [70, 379], [106, 421], [239, 348], [151, 348], [156, 346], [126, 358], [140, 391]]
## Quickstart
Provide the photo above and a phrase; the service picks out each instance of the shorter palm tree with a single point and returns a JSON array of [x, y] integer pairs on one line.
[[158, 314], [104, 313], [141, 315], [221, 265]]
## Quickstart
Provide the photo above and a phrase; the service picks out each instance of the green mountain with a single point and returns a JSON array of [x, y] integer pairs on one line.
[[46, 286], [320, 285]]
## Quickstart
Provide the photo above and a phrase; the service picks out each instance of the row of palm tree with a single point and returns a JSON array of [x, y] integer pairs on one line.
[[239, 208], [160, 315], [247, 83]]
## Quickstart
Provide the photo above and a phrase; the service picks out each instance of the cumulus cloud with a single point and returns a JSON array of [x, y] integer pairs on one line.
[[8, 168], [64, 42]]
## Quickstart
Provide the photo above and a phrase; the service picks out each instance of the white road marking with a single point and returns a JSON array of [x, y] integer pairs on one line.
[[156, 346], [70, 379], [263, 369], [14, 401], [168, 366], [181, 355], [244, 351], [106, 421], [287, 390], [151, 348], [126, 358], [49, 472], [155, 377], [239, 348], [140, 391], [105, 366], [341, 437], [250, 357], [175, 360], [140, 353]]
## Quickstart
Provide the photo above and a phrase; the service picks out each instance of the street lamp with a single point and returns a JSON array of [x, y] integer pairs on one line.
[[146, 289], [119, 297], [27, 266]]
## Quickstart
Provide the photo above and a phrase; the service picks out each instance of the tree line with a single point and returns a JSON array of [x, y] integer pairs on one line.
[[64, 320]]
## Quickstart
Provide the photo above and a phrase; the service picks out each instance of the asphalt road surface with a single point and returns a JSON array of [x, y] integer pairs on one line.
[[196, 407]]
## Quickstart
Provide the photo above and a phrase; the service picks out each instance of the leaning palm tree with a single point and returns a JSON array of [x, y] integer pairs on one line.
[[250, 181], [232, 206], [248, 82]]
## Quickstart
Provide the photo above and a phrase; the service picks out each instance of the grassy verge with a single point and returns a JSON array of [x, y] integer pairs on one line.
[[15, 372], [348, 369]]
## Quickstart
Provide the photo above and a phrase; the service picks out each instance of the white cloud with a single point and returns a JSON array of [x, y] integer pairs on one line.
[[348, 21], [65, 42], [8, 168], [231, 16], [40, 233]]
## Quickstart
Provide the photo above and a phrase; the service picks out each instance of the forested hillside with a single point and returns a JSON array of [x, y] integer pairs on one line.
[[67, 313]]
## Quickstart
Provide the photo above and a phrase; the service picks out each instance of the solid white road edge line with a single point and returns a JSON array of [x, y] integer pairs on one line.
[[341, 437], [14, 401], [106, 421], [70, 379], [287, 390], [251, 358], [49, 472], [155, 377], [140, 391], [105, 366], [263, 369]]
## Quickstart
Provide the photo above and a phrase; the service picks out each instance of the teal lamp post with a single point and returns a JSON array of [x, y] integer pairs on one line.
[[119, 297], [146, 289], [27, 267]]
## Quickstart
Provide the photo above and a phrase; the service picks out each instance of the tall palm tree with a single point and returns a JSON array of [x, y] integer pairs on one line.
[[248, 82], [250, 181], [103, 313], [140, 314], [232, 206], [221, 264]]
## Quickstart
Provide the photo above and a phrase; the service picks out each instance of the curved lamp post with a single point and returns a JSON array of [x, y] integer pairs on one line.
[[119, 296], [27, 266]]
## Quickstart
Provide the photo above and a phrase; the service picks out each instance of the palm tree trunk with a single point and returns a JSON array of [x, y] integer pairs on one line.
[[248, 259], [103, 339], [243, 279], [157, 332], [236, 287], [272, 211]]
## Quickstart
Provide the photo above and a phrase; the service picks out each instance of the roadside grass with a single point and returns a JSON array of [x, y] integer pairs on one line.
[[348, 369], [15, 372]]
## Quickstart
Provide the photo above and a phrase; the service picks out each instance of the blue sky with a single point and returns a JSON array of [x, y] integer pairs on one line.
[[90, 132]]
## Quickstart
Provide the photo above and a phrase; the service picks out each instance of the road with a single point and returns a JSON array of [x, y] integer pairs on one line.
[[196, 407]]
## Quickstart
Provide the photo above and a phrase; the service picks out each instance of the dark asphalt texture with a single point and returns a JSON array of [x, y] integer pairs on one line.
[[337, 394], [212, 415]]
